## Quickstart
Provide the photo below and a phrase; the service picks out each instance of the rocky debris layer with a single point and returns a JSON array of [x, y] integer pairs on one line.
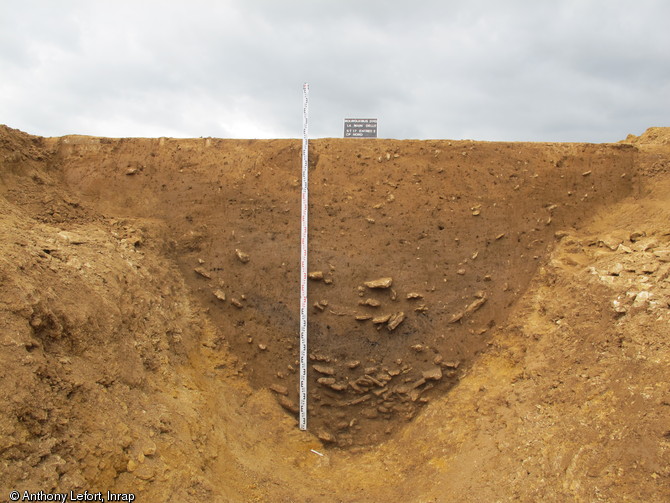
[[635, 266]]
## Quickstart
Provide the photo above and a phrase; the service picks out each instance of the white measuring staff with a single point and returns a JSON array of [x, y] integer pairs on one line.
[[303, 265]]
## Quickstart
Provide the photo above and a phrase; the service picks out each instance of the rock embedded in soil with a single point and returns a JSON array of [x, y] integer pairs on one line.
[[378, 320], [279, 389], [324, 369], [288, 404], [379, 283], [370, 302], [326, 437], [241, 256], [315, 275], [219, 294], [201, 271], [395, 320], [433, 374], [472, 307]]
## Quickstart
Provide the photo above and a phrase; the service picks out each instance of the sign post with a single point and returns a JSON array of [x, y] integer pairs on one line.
[[303, 264], [360, 128]]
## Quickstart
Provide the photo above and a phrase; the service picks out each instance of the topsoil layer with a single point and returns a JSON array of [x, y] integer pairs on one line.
[[488, 321]]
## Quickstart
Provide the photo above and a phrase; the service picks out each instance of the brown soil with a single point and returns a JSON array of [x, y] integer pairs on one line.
[[150, 301]]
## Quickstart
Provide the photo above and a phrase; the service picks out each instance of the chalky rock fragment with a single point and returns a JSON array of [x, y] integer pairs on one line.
[[379, 283]]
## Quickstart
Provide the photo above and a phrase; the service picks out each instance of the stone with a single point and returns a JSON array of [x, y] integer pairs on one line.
[[145, 472], [201, 271], [71, 238], [279, 389], [615, 269], [219, 294], [650, 267], [374, 381], [236, 303], [369, 413], [378, 320], [315, 275], [379, 283], [414, 295], [642, 298], [358, 400], [149, 448], [327, 437], [395, 320], [433, 374], [370, 302], [288, 404], [326, 381], [619, 307], [635, 235], [611, 242], [415, 394], [324, 369], [363, 317], [242, 257], [475, 305], [353, 364]]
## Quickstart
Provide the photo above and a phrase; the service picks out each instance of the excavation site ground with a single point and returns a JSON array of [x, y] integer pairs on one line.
[[488, 321]]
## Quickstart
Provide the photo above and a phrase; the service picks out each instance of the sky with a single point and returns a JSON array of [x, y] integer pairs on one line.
[[500, 70]]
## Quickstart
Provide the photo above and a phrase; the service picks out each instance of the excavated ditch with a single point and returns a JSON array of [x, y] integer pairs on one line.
[[417, 251]]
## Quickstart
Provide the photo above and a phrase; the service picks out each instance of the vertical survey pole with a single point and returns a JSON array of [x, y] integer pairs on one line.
[[303, 264]]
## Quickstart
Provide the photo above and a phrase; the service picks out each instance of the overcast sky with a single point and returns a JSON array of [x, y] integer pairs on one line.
[[559, 70]]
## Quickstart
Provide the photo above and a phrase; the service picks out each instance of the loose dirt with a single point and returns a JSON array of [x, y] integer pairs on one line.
[[488, 320]]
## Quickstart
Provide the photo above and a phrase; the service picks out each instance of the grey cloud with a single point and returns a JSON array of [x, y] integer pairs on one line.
[[516, 70]]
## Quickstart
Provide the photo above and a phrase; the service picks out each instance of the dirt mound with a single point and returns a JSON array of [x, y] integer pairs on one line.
[[150, 302], [652, 136]]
